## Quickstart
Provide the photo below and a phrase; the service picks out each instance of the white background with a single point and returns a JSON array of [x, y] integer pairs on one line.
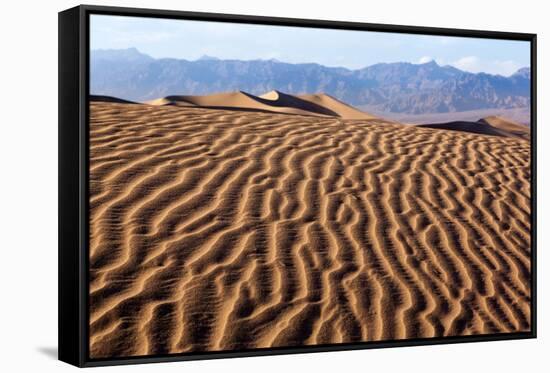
[[28, 185]]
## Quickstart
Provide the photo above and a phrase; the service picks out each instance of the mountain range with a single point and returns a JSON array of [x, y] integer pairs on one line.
[[399, 87]]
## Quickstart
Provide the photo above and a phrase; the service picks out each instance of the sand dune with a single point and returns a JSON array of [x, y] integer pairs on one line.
[[234, 100], [99, 98], [342, 109], [273, 101], [223, 229], [492, 126], [513, 129], [518, 115], [283, 100]]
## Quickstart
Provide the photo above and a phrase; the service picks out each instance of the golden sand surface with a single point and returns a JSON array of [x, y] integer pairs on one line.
[[217, 229]]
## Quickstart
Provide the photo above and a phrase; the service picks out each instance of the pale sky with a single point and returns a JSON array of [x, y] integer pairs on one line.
[[190, 40]]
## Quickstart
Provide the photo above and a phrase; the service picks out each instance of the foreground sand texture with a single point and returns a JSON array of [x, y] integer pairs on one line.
[[224, 229]]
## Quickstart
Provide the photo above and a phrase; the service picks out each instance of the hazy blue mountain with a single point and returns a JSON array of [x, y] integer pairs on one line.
[[524, 72], [130, 55], [396, 87], [206, 57]]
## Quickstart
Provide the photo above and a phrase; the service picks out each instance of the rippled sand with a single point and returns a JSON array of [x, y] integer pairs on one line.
[[218, 230]]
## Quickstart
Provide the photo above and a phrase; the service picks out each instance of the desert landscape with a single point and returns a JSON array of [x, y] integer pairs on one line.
[[238, 221]]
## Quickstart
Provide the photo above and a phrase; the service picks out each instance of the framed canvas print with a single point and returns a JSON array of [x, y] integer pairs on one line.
[[236, 185]]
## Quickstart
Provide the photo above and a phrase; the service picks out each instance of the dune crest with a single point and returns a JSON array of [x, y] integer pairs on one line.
[[111, 99], [342, 109]]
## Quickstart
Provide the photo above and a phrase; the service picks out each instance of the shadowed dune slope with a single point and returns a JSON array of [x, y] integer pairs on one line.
[[279, 99], [273, 101], [510, 127], [342, 109], [492, 126], [222, 229], [471, 127]]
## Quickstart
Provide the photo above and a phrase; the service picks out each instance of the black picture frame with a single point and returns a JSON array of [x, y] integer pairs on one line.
[[73, 180]]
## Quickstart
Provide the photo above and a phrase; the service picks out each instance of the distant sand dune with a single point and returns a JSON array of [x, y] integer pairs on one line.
[[510, 127], [493, 126], [279, 99], [223, 229], [273, 101], [519, 115], [99, 98], [342, 109]]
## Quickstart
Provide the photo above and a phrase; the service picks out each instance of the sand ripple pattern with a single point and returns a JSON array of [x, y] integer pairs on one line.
[[219, 230]]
